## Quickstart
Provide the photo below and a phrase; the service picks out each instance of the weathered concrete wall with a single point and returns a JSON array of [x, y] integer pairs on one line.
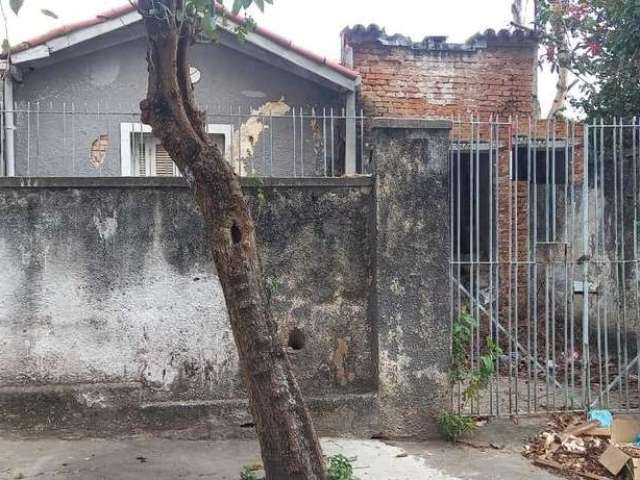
[[109, 301], [104, 89], [411, 275], [107, 287]]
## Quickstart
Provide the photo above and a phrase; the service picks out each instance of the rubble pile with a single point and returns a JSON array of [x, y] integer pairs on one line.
[[599, 448]]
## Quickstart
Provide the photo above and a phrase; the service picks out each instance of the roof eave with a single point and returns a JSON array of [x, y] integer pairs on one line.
[[43, 46]]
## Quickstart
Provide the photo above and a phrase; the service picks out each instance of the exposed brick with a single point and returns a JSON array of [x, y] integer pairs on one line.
[[496, 79]]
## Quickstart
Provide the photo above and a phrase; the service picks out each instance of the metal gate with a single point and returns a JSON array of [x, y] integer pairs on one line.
[[544, 264]]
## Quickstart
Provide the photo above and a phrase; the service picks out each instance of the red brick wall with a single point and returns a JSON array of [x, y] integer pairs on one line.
[[406, 82]]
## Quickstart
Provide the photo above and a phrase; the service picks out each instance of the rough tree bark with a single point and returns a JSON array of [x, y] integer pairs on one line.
[[289, 444], [562, 90]]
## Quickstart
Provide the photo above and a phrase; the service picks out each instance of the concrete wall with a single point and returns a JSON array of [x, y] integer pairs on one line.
[[111, 317], [106, 85], [108, 286], [412, 273]]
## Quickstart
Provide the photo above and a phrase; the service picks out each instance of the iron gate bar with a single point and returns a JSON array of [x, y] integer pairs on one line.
[[585, 309], [635, 236]]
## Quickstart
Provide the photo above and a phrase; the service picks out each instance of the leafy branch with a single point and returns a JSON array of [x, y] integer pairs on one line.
[[476, 379]]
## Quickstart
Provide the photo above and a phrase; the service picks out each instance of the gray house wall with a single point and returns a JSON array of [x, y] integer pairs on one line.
[[85, 94]]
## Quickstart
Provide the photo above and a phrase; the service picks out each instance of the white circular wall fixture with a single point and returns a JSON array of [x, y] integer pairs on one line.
[[195, 75]]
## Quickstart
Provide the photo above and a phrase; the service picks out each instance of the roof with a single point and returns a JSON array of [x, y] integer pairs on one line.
[[506, 35], [130, 8], [377, 35]]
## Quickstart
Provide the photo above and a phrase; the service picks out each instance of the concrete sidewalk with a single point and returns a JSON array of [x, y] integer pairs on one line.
[[153, 458]]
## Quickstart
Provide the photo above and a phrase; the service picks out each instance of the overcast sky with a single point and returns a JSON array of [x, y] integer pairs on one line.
[[316, 24]]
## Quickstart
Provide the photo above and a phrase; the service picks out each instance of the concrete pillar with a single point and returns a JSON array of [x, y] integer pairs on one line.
[[350, 140], [411, 301], [9, 161]]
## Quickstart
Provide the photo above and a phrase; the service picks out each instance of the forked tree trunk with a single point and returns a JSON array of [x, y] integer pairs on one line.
[[289, 444]]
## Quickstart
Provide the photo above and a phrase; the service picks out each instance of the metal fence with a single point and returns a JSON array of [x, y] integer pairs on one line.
[[67, 139], [544, 264]]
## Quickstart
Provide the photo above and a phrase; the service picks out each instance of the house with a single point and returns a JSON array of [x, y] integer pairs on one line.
[[512, 174], [273, 107], [487, 86]]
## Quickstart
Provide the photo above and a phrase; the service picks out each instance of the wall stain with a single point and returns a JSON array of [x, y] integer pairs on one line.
[[339, 360], [99, 149], [246, 137]]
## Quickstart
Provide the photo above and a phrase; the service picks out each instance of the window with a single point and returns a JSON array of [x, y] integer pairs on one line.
[[142, 155], [542, 159]]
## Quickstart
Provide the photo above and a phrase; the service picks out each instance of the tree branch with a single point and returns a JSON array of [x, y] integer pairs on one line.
[[164, 103], [183, 66]]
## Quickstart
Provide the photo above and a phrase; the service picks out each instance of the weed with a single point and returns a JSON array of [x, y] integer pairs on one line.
[[249, 472], [340, 468], [453, 425]]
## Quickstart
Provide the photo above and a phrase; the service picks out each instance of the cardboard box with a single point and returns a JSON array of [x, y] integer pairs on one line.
[[633, 469], [614, 460], [624, 431]]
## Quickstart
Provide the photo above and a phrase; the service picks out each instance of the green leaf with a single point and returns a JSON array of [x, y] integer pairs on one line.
[[260, 4], [210, 27], [5, 46], [237, 6], [487, 364], [48, 13], [16, 5]]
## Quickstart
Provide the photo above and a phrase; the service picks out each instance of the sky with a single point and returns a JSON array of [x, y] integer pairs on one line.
[[316, 24]]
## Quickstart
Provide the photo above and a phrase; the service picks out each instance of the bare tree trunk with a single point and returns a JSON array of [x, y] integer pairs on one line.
[[289, 444], [517, 15], [562, 90]]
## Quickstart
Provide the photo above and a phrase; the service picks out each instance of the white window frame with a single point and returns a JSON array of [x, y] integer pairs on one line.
[[128, 128]]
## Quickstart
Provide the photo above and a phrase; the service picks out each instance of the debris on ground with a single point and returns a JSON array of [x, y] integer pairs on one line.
[[599, 448]]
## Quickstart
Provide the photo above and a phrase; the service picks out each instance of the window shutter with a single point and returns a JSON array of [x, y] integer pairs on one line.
[[164, 164], [142, 164], [139, 154]]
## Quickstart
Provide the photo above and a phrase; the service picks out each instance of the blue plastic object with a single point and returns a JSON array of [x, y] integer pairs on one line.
[[603, 416], [637, 442]]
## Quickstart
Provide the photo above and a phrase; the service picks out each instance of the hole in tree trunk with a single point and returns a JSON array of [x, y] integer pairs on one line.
[[296, 339], [236, 234]]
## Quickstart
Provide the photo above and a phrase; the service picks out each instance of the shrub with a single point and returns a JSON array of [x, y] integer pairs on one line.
[[453, 425], [340, 468]]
